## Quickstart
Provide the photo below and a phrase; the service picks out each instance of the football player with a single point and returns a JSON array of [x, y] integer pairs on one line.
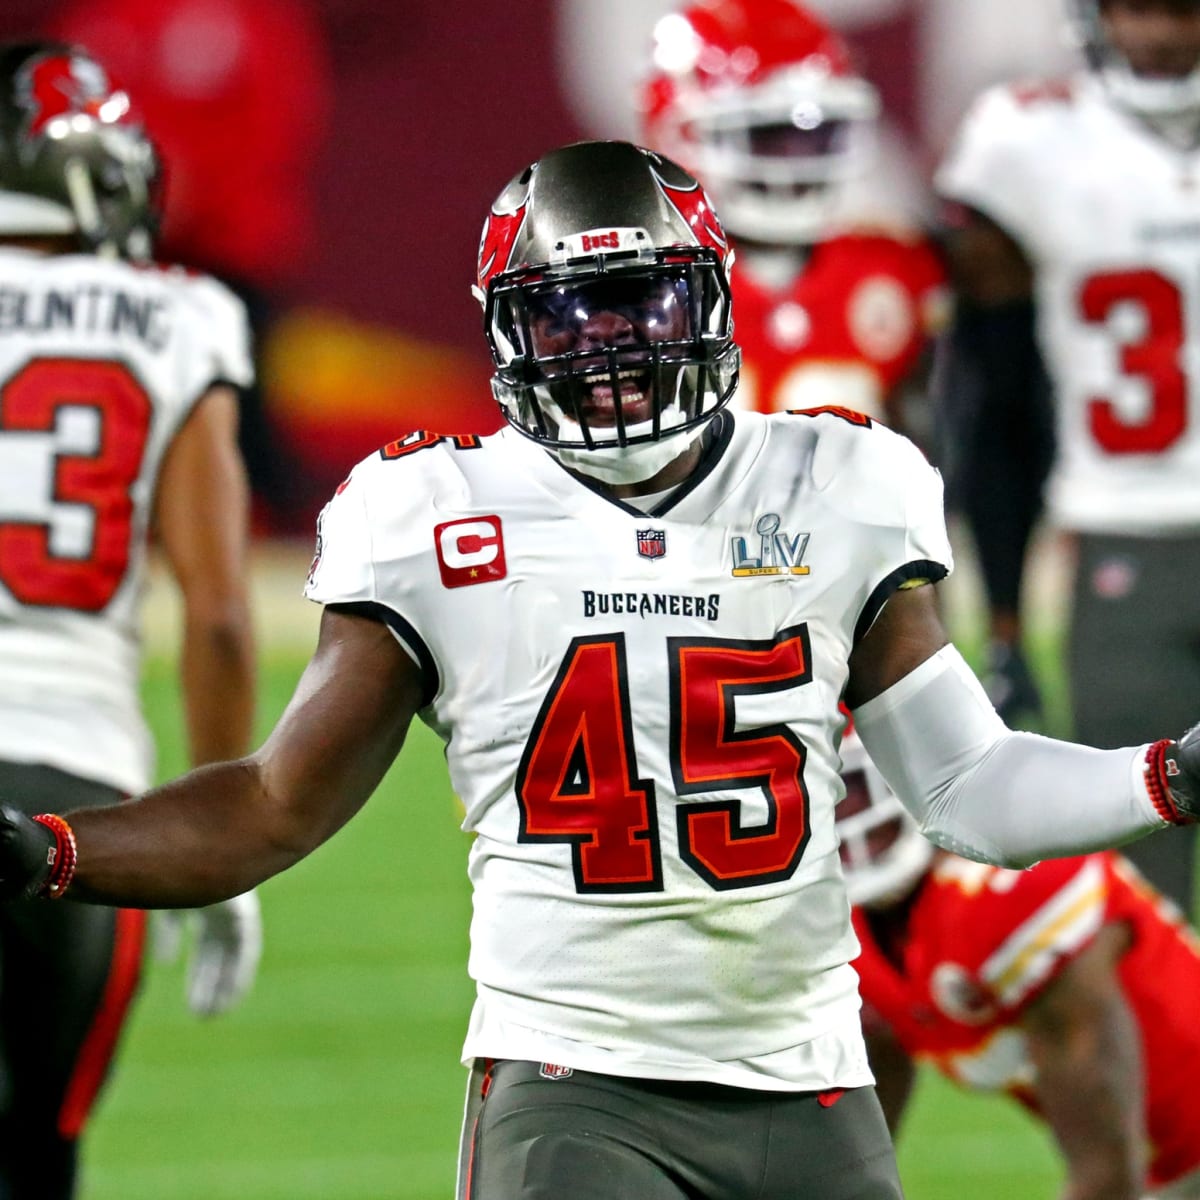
[[630, 615], [1067, 987], [118, 417], [759, 100], [1076, 208]]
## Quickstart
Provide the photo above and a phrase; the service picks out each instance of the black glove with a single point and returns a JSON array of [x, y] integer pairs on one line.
[[29, 853], [1181, 773], [1010, 686]]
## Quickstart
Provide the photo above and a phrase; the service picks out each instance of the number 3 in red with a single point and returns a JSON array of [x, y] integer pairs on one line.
[[578, 781], [30, 402]]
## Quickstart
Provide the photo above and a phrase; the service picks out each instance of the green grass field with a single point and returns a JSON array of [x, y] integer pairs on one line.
[[338, 1077]]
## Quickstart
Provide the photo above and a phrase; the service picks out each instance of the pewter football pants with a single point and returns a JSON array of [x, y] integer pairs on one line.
[[534, 1135]]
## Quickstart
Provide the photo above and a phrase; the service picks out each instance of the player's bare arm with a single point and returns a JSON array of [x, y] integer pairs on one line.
[[202, 518], [1083, 1040], [906, 633], [224, 828], [988, 267]]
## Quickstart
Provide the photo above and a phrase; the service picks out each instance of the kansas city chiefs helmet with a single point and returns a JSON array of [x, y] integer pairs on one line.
[[759, 100], [1148, 96], [73, 158], [603, 272], [884, 854]]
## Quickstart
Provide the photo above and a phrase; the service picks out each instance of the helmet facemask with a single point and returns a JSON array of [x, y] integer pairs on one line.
[[603, 277], [774, 157], [759, 99]]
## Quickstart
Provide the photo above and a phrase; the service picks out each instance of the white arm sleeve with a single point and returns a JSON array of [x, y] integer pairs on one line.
[[987, 793]]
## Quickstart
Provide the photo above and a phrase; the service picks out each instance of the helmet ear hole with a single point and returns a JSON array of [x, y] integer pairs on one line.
[[73, 158]]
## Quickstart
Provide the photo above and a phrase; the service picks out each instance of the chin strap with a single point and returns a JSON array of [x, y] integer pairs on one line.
[[629, 464]]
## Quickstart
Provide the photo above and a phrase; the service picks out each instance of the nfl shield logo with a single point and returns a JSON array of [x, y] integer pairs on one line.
[[652, 543], [554, 1071]]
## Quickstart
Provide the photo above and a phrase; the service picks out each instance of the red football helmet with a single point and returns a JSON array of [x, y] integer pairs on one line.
[[759, 100]]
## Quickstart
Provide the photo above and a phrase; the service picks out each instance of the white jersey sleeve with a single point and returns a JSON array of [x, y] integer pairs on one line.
[[877, 479], [221, 329], [342, 570]]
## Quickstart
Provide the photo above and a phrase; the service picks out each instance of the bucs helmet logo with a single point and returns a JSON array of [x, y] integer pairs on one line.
[[66, 85], [693, 205], [500, 232]]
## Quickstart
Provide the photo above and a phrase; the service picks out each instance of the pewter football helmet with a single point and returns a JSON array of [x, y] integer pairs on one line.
[[603, 272], [73, 158]]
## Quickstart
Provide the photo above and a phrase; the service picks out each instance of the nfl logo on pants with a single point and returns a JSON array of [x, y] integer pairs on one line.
[[652, 543]]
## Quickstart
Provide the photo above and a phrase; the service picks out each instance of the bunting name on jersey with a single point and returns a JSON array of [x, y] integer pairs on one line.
[[770, 551]]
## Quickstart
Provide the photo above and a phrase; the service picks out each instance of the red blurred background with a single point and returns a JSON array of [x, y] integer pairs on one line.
[[334, 159]]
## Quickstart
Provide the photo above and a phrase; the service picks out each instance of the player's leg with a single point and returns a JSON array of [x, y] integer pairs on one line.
[[534, 1134], [835, 1147], [530, 1134], [1134, 667], [67, 974], [730, 1143]]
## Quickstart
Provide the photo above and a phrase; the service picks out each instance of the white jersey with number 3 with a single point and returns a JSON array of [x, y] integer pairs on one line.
[[1108, 213], [100, 365], [641, 718]]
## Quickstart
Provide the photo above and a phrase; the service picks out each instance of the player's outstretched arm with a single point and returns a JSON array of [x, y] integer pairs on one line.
[[222, 829], [1085, 1047], [981, 790]]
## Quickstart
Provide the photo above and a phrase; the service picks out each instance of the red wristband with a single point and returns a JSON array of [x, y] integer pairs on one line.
[[62, 869], [1158, 783]]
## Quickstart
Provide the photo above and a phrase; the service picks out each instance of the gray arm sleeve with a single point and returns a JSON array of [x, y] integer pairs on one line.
[[983, 791]]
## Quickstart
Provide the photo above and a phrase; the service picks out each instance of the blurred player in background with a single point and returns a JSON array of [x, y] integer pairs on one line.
[[758, 98], [1069, 986], [1077, 208], [236, 95], [118, 417]]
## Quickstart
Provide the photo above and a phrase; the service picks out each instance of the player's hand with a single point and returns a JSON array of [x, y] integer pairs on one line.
[[1181, 763], [27, 855], [1010, 686], [224, 960]]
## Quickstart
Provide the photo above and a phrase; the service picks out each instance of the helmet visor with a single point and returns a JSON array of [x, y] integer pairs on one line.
[[619, 354]]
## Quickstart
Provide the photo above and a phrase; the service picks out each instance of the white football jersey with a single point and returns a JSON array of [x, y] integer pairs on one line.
[[1108, 213], [640, 714], [100, 364]]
